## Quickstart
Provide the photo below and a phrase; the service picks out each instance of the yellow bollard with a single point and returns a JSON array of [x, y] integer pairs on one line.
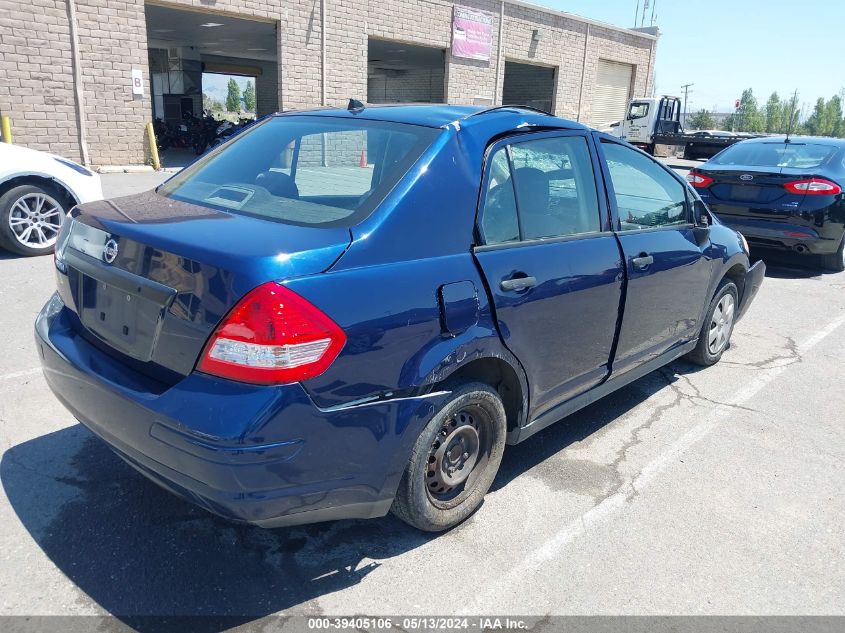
[[151, 136], [6, 129]]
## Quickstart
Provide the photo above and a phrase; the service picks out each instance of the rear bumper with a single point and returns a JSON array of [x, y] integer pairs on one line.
[[262, 455], [753, 281], [799, 238]]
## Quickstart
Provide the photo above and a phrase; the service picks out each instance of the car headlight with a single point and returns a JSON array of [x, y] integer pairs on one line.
[[743, 242]]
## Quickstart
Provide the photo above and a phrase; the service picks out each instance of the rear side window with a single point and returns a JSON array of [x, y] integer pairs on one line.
[[794, 154], [540, 188], [499, 221], [646, 194], [304, 170]]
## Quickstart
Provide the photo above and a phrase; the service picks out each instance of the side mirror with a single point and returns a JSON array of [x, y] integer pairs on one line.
[[701, 214]]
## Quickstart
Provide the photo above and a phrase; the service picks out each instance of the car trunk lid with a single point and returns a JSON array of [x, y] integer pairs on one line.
[[148, 277], [751, 191]]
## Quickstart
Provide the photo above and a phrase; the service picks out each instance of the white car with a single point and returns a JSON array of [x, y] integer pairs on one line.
[[37, 190]]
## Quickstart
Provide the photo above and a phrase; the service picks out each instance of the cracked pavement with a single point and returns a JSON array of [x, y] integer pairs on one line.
[[691, 491]]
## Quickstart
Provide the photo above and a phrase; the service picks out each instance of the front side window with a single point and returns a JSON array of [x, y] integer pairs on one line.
[[638, 111], [315, 171], [647, 196]]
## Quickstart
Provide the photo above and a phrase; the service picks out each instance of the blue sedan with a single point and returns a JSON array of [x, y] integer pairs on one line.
[[345, 312]]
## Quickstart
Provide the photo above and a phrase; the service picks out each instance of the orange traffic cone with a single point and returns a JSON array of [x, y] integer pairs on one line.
[[363, 161]]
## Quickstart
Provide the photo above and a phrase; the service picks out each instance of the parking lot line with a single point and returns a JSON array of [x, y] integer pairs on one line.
[[552, 547]]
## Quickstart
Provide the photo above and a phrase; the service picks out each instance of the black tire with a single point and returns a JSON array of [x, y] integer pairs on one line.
[[419, 500], [8, 200], [704, 354], [835, 262]]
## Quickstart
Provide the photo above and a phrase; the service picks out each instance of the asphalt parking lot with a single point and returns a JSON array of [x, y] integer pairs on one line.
[[691, 491]]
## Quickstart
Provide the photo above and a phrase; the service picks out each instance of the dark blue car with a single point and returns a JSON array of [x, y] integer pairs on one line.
[[346, 312], [781, 193]]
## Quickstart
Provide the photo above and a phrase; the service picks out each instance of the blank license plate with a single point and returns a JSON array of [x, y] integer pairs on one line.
[[127, 322]]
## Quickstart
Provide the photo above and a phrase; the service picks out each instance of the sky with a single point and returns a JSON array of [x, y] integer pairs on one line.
[[214, 85], [725, 46]]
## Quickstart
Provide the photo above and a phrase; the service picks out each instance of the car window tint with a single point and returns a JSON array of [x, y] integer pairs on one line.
[[775, 154], [499, 222], [555, 187], [646, 194]]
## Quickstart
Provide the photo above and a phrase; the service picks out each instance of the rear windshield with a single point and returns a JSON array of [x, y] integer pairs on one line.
[[798, 155], [304, 170]]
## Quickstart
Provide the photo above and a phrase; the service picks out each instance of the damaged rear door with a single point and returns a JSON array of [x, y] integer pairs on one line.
[[552, 266]]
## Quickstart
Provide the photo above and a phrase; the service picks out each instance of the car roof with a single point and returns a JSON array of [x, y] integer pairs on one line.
[[443, 115]]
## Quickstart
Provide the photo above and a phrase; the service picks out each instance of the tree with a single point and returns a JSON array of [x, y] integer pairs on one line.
[[210, 103], [791, 114], [702, 120], [233, 96], [825, 118], [749, 117], [249, 97], [833, 116], [776, 118]]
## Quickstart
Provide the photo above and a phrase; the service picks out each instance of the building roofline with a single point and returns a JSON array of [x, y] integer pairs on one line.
[[578, 18]]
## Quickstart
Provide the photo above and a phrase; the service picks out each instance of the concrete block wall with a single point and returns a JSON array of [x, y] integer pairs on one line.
[[560, 45], [36, 80], [36, 85], [621, 47], [113, 41]]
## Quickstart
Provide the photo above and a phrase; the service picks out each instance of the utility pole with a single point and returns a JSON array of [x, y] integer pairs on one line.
[[686, 88]]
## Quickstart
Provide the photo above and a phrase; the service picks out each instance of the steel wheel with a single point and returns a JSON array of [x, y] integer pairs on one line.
[[35, 220], [721, 324], [457, 455]]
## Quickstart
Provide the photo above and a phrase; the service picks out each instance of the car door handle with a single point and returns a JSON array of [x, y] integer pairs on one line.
[[643, 261], [519, 283]]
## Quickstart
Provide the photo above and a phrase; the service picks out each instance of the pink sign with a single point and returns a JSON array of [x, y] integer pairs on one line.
[[472, 33]]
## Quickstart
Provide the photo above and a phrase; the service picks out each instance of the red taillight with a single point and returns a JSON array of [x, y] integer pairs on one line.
[[813, 187], [273, 336], [699, 180]]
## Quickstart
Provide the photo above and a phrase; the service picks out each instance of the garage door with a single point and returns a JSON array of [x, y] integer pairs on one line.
[[613, 83]]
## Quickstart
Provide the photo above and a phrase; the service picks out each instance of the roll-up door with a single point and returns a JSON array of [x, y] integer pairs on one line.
[[613, 85]]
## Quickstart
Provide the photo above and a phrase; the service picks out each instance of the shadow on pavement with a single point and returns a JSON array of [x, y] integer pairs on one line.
[[781, 265], [584, 423], [138, 551], [143, 554]]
